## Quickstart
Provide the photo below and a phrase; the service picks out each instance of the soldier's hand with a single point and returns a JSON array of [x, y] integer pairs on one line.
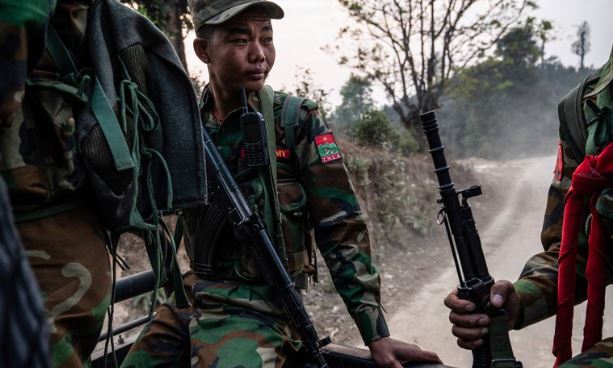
[[390, 353], [470, 327]]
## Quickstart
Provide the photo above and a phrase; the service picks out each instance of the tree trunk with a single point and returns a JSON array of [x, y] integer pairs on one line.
[[175, 30]]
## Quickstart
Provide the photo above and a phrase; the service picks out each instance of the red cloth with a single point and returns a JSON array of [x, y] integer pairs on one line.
[[594, 174]]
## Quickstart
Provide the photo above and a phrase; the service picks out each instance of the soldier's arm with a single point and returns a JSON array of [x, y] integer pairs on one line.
[[340, 230], [537, 284]]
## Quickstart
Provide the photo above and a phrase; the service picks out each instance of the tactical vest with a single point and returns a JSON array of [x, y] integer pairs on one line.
[[213, 248]]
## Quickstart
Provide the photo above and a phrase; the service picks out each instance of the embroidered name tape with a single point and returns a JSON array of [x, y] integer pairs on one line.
[[283, 153]]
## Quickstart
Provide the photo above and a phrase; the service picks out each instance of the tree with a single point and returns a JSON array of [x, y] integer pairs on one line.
[[413, 47], [307, 88], [502, 107], [543, 32], [582, 46], [357, 99], [171, 16], [374, 129]]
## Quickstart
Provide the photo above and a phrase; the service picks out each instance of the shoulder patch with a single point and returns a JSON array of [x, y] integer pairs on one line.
[[559, 170], [327, 148]]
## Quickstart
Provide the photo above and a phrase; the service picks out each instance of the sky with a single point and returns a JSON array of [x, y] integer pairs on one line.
[[310, 25]]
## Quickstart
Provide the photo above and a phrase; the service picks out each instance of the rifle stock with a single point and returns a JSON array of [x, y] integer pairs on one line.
[[471, 267]]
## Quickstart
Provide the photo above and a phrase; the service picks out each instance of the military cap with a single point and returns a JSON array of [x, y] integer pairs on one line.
[[218, 11]]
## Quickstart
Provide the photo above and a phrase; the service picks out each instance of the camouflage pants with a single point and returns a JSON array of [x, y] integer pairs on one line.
[[600, 356], [70, 261], [233, 325]]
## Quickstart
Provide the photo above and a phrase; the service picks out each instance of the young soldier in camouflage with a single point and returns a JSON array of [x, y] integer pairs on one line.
[[62, 236], [534, 296], [237, 321]]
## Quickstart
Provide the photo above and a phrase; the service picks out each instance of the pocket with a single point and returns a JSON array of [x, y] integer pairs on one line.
[[294, 224], [53, 122]]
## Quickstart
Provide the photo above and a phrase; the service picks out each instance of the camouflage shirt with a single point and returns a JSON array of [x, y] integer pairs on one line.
[[316, 197], [37, 138], [22, 37], [537, 285]]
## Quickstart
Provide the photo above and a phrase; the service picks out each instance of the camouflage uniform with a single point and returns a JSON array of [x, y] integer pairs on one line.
[[23, 333], [63, 238], [537, 285], [237, 320]]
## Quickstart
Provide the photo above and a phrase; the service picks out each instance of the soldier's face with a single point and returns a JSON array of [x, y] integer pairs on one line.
[[239, 52]]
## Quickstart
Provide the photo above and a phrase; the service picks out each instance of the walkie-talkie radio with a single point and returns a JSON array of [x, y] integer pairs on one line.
[[254, 135]]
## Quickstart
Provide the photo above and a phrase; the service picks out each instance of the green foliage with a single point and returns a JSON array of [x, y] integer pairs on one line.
[[407, 144], [357, 99], [506, 105], [374, 129]]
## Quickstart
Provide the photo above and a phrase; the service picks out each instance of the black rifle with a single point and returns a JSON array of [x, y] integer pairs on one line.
[[250, 228], [475, 279]]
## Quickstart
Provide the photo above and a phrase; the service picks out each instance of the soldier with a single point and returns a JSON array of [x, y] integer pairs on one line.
[[237, 321], [23, 332], [553, 280], [62, 236]]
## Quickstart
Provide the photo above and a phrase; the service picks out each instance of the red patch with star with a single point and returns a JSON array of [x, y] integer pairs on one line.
[[327, 148], [559, 171], [283, 153]]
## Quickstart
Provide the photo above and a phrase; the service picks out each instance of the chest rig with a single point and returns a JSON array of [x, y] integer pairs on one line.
[[274, 191]]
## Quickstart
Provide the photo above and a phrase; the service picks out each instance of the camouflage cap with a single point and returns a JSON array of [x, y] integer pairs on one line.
[[218, 11]]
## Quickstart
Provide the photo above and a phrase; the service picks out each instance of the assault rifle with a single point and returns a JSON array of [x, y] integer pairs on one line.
[[475, 280], [250, 228]]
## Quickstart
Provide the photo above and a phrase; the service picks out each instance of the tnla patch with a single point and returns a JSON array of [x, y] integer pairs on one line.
[[559, 170], [327, 148]]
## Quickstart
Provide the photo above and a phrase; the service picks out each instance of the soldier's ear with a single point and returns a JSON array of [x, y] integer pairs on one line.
[[200, 47]]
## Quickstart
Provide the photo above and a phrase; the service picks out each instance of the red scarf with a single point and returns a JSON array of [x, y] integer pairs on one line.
[[594, 174]]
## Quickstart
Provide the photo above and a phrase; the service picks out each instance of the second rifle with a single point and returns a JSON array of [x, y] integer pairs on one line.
[[475, 279]]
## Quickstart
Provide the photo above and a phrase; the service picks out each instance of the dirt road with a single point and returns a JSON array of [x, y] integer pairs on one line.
[[518, 224]]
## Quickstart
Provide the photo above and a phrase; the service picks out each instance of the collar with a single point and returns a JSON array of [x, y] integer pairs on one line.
[[206, 104]]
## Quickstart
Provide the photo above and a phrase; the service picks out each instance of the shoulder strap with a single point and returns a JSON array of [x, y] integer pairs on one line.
[[572, 123], [266, 96], [290, 115]]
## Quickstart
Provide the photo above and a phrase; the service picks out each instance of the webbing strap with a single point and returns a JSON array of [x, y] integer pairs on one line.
[[100, 105], [266, 96], [290, 113], [48, 211], [61, 56], [110, 128], [572, 123], [500, 344], [177, 279]]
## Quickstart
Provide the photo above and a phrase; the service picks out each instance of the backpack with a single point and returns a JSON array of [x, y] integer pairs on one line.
[[586, 120], [138, 132]]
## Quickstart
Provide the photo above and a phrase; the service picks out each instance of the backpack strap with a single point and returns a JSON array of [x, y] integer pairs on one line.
[[266, 96], [572, 122], [290, 115]]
